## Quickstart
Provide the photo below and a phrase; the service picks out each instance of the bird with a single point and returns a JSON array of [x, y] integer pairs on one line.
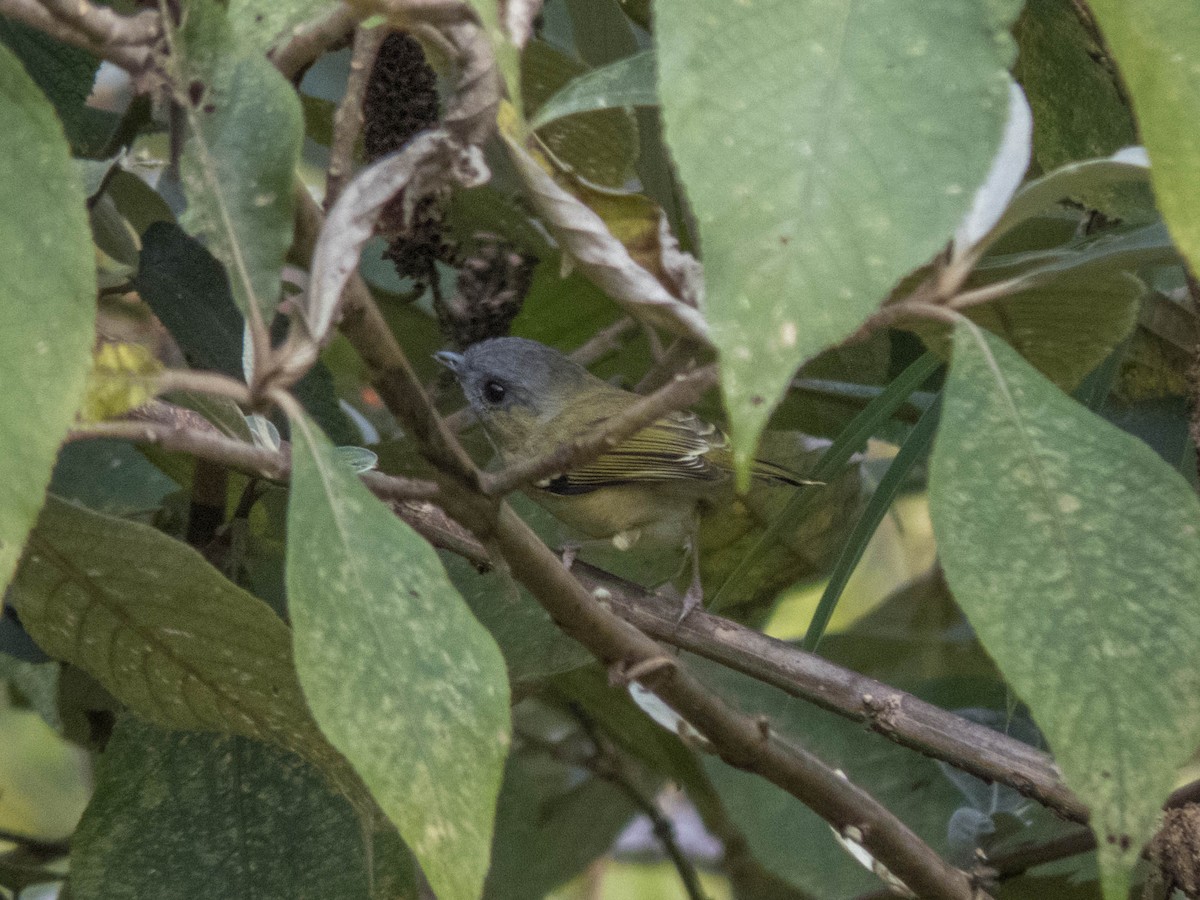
[[651, 488]]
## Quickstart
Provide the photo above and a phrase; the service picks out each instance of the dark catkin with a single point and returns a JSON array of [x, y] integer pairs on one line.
[[491, 286], [401, 100], [401, 97]]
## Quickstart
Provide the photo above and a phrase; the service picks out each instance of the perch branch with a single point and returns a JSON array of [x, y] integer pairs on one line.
[[679, 393]]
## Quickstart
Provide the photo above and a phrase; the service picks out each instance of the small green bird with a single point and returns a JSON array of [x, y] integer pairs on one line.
[[651, 487]]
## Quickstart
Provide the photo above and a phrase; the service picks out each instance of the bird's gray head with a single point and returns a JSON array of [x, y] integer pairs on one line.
[[513, 383]]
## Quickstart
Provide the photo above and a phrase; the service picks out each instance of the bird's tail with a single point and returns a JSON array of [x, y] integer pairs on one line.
[[768, 471]]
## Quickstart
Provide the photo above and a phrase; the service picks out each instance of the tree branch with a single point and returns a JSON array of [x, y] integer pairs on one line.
[[310, 40], [160, 426], [899, 716], [126, 41]]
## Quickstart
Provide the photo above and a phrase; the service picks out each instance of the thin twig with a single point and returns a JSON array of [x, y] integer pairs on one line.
[[988, 292], [605, 764], [348, 118], [603, 342], [310, 40], [104, 26], [679, 393], [213, 446], [82, 22], [213, 383]]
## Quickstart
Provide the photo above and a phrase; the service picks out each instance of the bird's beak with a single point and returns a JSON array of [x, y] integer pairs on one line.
[[449, 359]]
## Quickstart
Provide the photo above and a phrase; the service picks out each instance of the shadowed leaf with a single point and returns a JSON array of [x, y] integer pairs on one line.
[[47, 301]]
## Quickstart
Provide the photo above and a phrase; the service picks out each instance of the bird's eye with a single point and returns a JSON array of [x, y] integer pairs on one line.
[[493, 392]]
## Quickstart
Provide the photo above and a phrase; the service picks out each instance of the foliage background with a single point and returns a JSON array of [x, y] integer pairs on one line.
[[942, 248]]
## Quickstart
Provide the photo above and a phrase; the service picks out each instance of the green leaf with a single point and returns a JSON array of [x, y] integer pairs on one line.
[[1075, 552], [549, 825], [65, 75], [1064, 328], [601, 148], [1156, 43], [109, 476], [1078, 111], [165, 632], [827, 149], [245, 128], [260, 24], [533, 646], [911, 450], [47, 301], [626, 82], [180, 815], [1089, 178], [403, 679]]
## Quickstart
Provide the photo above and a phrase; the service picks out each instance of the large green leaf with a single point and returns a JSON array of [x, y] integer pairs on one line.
[[179, 815], [245, 126], [259, 24], [1156, 43], [164, 632], [827, 149], [47, 301], [1075, 552], [403, 679]]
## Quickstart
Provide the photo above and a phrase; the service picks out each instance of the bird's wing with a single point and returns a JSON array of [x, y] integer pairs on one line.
[[674, 448]]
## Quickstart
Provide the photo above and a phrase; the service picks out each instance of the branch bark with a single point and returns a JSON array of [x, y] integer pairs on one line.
[[126, 41], [161, 425], [311, 40], [679, 393]]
